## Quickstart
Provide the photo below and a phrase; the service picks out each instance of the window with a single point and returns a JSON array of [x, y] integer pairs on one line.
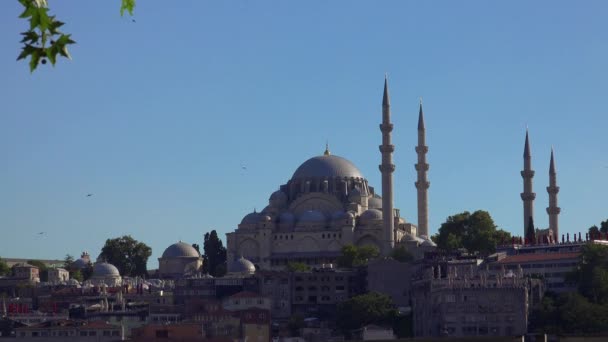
[[83, 333], [106, 333], [92, 333], [34, 334]]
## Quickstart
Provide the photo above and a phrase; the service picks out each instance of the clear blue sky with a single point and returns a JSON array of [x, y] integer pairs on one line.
[[156, 117]]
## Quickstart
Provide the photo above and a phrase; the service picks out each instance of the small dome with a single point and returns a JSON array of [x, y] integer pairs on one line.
[[80, 263], [412, 238], [265, 218], [370, 216], [103, 269], [374, 202], [180, 250], [311, 216], [427, 242], [327, 166], [278, 199], [251, 218], [243, 266]]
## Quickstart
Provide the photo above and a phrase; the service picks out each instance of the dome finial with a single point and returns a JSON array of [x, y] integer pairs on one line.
[[326, 153]]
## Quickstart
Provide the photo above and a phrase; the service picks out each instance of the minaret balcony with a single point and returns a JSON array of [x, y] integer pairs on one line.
[[422, 149], [528, 196], [527, 173], [422, 185], [553, 190], [553, 210], [386, 127], [387, 168], [387, 148], [422, 167]]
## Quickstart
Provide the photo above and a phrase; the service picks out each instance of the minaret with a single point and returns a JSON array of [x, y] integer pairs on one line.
[[387, 168], [527, 174], [553, 210], [422, 184]]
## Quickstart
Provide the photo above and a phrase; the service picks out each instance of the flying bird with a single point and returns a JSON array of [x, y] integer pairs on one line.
[[89, 195], [41, 233]]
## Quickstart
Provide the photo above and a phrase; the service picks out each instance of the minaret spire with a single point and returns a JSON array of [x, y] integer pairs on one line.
[[387, 168], [527, 174], [422, 183], [553, 210]]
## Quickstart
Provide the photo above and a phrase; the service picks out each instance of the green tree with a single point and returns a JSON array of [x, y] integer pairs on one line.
[[214, 260], [353, 256], [476, 232], [197, 247], [604, 226], [87, 271], [42, 269], [4, 269], [401, 254], [297, 267], [77, 275], [68, 262], [531, 231], [364, 309], [591, 274], [43, 40], [127, 254], [594, 232]]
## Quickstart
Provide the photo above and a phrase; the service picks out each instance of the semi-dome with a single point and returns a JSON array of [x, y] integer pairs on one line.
[[243, 266], [103, 269], [370, 215], [329, 166], [180, 250], [278, 199], [311, 216], [251, 218]]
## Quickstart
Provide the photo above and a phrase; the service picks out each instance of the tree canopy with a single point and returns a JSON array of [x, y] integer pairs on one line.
[[297, 267], [128, 255], [475, 232], [353, 256], [372, 307], [585, 311], [43, 40], [214, 259], [4, 269], [401, 254]]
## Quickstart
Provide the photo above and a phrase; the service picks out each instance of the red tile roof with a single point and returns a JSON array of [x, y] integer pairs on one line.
[[536, 257]]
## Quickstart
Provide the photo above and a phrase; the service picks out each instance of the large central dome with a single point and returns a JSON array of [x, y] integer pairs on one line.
[[329, 166]]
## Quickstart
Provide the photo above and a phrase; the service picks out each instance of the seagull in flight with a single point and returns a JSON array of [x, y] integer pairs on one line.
[[89, 195], [41, 233]]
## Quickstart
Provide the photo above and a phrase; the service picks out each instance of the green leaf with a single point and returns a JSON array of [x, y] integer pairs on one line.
[[44, 19], [35, 59], [128, 5], [26, 51], [51, 53], [30, 37], [35, 19]]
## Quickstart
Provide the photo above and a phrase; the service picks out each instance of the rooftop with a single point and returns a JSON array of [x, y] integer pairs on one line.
[[533, 257]]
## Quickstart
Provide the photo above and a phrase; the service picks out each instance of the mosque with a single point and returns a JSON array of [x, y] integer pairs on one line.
[[328, 204]]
